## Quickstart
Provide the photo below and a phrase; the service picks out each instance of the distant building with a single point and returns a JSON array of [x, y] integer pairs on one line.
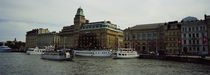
[[40, 38], [85, 35], [207, 21], [194, 36], [145, 38]]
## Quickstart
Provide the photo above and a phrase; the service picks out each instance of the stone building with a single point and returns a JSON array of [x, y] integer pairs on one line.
[[172, 37], [145, 38], [85, 35], [194, 36], [40, 38]]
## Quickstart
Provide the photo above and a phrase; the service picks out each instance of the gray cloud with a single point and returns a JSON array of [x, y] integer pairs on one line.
[[19, 16]]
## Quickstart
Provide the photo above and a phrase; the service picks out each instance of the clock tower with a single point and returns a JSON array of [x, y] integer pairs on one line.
[[79, 19]]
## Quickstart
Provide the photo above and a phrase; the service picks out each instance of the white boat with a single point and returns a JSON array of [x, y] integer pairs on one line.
[[35, 50], [56, 55], [4, 48], [125, 53], [96, 53]]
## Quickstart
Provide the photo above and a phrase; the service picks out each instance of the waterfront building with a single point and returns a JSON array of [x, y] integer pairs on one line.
[[172, 37], [207, 21], [40, 38], [101, 34], [194, 36], [145, 38], [85, 35]]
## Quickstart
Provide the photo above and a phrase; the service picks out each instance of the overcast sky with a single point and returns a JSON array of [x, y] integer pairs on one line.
[[19, 16]]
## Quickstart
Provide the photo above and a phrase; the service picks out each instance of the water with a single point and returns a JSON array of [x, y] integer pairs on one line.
[[22, 64]]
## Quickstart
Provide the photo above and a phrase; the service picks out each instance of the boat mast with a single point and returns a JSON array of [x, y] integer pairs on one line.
[[64, 44]]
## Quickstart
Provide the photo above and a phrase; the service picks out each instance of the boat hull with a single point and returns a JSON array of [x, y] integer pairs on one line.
[[4, 50], [57, 56], [33, 53], [124, 57], [54, 57], [93, 53]]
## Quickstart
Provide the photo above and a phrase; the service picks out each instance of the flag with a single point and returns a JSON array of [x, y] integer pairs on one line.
[[156, 43], [121, 44], [90, 44], [102, 44], [136, 44]]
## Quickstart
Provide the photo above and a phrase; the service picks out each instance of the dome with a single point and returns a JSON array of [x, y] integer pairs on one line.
[[189, 18]]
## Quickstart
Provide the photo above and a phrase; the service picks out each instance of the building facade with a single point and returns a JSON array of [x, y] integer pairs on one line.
[[94, 35], [194, 36], [40, 38], [145, 38], [172, 37]]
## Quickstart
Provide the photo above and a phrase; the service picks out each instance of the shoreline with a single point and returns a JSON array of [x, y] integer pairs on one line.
[[183, 58]]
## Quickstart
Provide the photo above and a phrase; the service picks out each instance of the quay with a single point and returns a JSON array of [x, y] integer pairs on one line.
[[179, 58]]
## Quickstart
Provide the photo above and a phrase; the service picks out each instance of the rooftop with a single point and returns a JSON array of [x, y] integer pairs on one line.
[[148, 26]]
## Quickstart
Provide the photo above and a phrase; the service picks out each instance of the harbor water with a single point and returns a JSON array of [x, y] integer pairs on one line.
[[22, 64]]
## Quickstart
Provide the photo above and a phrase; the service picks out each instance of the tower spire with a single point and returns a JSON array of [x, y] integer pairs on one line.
[[80, 12]]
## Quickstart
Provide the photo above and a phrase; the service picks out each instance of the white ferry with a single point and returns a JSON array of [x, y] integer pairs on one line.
[[57, 55], [125, 53], [96, 53], [36, 50]]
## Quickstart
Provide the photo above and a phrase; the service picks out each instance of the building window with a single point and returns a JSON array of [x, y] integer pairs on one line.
[[201, 28], [204, 28], [193, 35], [190, 35], [134, 36], [193, 28], [183, 29], [197, 41], [184, 41], [128, 36], [198, 49], [190, 48], [174, 33], [197, 35], [143, 35], [184, 35], [138, 36], [149, 35], [193, 41], [197, 29], [204, 49], [189, 41], [189, 29], [155, 35]]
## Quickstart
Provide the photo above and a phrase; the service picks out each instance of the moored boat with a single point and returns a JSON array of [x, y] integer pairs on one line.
[[35, 50], [125, 53], [4, 48], [57, 55]]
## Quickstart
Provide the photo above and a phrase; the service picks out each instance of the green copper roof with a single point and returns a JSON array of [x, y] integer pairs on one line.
[[79, 12]]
